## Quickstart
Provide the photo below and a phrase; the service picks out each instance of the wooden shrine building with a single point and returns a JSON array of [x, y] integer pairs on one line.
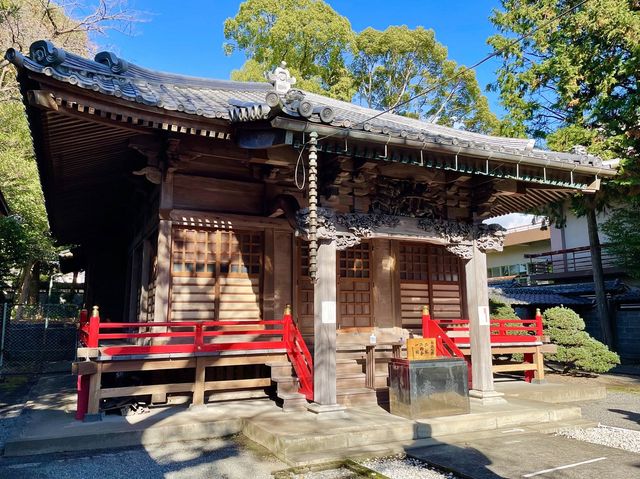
[[192, 200]]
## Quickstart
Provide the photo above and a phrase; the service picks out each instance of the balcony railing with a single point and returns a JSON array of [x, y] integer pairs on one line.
[[568, 261]]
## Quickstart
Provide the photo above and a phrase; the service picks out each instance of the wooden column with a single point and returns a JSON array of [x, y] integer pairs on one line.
[[324, 356], [479, 327], [163, 276]]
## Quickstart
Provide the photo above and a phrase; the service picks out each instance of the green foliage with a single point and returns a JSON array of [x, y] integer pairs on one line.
[[623, 229], [397, 64], [576, 349], [501, 311], [308, 34], [581, 71], [387, 67]]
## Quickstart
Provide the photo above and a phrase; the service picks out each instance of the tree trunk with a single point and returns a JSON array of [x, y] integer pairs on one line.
[[25, 286], [598, 276]]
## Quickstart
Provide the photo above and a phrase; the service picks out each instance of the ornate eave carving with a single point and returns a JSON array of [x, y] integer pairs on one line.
[[283, 99], [350, 229]]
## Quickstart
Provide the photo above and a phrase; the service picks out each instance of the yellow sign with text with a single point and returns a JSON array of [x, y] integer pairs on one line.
[[419, 349]]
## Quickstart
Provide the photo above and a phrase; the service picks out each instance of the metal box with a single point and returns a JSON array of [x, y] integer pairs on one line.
[[421, 389]]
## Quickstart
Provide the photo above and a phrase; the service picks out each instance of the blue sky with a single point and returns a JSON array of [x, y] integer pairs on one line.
[[186, 37]]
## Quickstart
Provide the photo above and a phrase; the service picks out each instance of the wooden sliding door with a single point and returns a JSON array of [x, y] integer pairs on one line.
[[216, 274], [429, 275]]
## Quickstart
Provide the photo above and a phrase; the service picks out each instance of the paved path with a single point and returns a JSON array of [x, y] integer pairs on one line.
[[227, 458], [515, 454]]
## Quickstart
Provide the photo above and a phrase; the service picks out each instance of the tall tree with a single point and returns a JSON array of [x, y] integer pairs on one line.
[[408, 72], [578, 75], [308, 34], [25, 240], [383, 68]]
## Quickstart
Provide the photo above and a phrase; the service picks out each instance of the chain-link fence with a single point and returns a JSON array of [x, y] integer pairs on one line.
[[37, 338]]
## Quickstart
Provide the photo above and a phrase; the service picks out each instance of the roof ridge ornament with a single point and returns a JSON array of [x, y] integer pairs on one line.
[[116, 64], [46, 53], [281, 79]]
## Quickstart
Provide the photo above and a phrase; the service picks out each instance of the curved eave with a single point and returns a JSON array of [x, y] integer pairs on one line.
[[361, 135]]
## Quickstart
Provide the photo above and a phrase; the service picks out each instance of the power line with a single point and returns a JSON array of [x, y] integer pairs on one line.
[[465, 69]]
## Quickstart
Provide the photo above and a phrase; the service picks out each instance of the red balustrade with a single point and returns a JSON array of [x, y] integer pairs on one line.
[[191, 337]]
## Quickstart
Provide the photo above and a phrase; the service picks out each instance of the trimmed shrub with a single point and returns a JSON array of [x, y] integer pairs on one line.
[[576, 349]]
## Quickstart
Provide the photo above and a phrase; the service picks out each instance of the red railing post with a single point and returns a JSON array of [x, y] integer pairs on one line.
[[199, 338], [539, 328], [426, 319], [82, 403], [94, 328], [287, 326]]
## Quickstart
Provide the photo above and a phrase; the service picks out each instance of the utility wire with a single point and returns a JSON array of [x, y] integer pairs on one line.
[[466, 69]]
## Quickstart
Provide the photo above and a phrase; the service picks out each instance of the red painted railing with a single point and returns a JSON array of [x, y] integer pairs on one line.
[[299, 355], [445, 346], [501, 330], [191, 337]]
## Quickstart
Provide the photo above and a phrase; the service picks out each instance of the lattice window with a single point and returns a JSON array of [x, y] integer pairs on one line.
[[354, 262], [209, 253], [413, 264], [443, 266], [194, 252], [240, 253]]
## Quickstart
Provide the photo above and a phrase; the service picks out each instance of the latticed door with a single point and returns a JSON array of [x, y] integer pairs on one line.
[[354, 287], [216, 274], [429, 275]]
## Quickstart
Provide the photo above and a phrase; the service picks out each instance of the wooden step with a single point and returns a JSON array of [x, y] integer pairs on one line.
[[357, 397], [348, 366]]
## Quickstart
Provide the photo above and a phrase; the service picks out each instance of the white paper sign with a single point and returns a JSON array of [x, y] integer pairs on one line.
[[483, 315], [328, 312]]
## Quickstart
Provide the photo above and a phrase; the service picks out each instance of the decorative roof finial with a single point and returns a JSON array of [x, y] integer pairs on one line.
[[281, 79]]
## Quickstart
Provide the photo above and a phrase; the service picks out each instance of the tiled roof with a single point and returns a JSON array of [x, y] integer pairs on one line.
[[519, 297], [614, 286], [110, 75]]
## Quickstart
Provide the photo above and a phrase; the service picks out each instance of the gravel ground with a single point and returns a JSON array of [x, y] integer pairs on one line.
[[399, 467], [227, 458], [606, 436], [619, 409]]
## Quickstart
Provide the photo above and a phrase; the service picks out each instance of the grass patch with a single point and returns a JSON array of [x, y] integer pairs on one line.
[[624, 389]]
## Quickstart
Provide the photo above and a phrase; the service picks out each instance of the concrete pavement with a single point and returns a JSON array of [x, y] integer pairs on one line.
[[522, 453]]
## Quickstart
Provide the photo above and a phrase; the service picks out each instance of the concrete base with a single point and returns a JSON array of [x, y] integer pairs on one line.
[[297, 438], [486, 398], [327, 411], [551, 392]]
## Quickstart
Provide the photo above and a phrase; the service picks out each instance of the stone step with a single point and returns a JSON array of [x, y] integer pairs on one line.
[[293, 401], [389, 434], [280, 369], [286, 384]]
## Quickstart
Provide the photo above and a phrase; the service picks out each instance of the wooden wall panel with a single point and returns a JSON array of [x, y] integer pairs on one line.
[[200, 193]]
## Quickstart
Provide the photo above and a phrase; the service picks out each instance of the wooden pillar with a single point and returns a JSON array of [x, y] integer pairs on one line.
[[477, 295], [163, 269], [324, 355], [198, 385], [95, 383], [163, 278]]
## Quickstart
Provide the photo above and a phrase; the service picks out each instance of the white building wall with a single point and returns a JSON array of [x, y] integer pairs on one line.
[[575, 232]]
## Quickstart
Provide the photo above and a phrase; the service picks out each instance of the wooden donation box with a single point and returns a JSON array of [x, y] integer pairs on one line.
[[426, 386]]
